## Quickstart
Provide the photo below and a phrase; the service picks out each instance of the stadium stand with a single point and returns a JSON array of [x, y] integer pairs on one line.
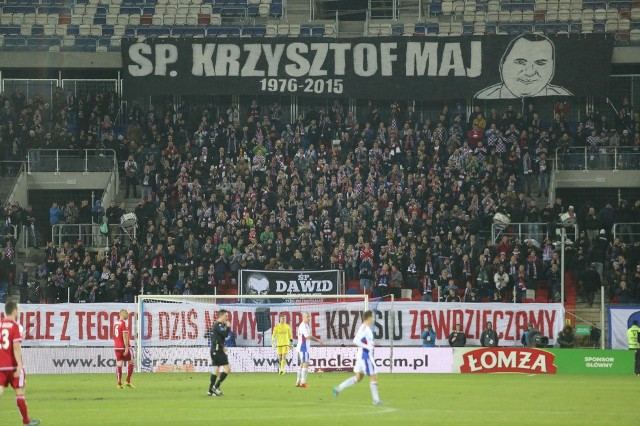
[[102, 23], [272, 174]]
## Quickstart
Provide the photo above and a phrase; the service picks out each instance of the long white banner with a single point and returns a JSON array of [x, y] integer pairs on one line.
[[620, 320], [242, 360], [185, 324]]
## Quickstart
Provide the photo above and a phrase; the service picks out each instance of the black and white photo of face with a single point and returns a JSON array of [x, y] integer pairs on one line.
[[258, 285], [526, 70], [528, 67]]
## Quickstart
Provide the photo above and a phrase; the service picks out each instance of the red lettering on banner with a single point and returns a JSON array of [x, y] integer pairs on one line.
[[297, 320], [29, 324], [239, 324], [314, 321], [148, 321], [90, 325], [520, 323], [275, 318], [497, 314], [441, 323], [537, 322], [80, 315], [470, 314], [176, 326], [113, 318], [253, 324], [550, 316], [209, 319], [331, 329], [507, 334], [65, 325], [508, 360], [104, 325], [414, 323], [191, 317], [49, 326], [164, 327]]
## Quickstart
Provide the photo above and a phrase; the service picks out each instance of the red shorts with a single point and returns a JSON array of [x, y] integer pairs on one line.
[[120, 356], [7, 379]]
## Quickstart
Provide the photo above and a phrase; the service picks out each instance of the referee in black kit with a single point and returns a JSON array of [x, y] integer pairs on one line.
[[217, 334]]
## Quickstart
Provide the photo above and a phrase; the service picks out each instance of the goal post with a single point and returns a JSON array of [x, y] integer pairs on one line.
[[171, 331]]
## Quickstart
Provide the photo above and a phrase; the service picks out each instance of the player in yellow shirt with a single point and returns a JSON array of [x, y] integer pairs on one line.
[[281, 340]]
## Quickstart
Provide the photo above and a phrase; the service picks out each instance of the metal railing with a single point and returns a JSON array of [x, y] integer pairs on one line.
[[111, 191], [601, 158], [627, 232], [536, 231], [71, 160], [90, 234]]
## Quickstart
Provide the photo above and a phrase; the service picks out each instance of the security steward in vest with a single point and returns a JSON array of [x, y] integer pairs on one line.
[[633, 334]]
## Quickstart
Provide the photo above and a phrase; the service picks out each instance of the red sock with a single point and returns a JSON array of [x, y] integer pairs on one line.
[[22, 406], [129, 372], [119, 374]]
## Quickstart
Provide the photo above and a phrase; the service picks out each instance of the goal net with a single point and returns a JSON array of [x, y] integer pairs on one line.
[[172, 331]]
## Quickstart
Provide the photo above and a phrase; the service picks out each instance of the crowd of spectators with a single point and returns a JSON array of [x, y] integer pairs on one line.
[[393, 198]]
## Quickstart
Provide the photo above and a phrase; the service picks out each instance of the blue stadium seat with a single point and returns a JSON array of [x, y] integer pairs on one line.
[[15, 43], [101, 10], [18, 9], [182, 31], [129, 31], [276, 8], [148, 10], [233, 12], [259, 31], [9, 30], [317, 31], [599, 27], [107, 30], [151, 31], [37, 30], [397, 30], [467, 29], [575, 28], [435, 8], [73, 30], [253, 10], [305, 31], [432, 28], [99, 20], [129, 10], [54, 10], [635, 25], [420, 29]]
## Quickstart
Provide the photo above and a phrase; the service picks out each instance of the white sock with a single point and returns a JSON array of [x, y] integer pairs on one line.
[[374, 391], [304, 375], [299, 376], [349, 382]]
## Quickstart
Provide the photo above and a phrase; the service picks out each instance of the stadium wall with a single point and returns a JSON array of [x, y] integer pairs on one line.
[[73, 360]]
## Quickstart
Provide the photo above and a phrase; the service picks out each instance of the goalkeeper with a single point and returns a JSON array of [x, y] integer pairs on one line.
[[282, 341]]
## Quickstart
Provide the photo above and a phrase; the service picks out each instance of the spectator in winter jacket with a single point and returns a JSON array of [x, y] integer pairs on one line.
[[428, 337]]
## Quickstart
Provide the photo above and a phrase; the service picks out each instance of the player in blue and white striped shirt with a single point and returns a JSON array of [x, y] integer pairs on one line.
[[364, 360]]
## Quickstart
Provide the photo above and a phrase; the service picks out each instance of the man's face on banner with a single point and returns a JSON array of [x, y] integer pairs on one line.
[[258, 285], [528, 67]]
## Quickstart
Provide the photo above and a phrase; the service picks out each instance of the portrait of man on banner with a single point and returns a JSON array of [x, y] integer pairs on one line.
[[526, 70], [257, 285]]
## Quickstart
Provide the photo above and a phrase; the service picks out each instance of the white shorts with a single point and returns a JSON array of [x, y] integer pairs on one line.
[[365, 366], [303, 356]]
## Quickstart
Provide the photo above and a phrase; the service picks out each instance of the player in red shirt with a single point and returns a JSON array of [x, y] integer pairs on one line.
[[122, 346], [11, 371]]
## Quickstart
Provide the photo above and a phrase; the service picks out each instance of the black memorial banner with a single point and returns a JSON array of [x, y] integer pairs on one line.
[[283, 283], [484, 67]]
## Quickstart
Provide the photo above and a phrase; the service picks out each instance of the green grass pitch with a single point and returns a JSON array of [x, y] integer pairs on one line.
[[265, 399]]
